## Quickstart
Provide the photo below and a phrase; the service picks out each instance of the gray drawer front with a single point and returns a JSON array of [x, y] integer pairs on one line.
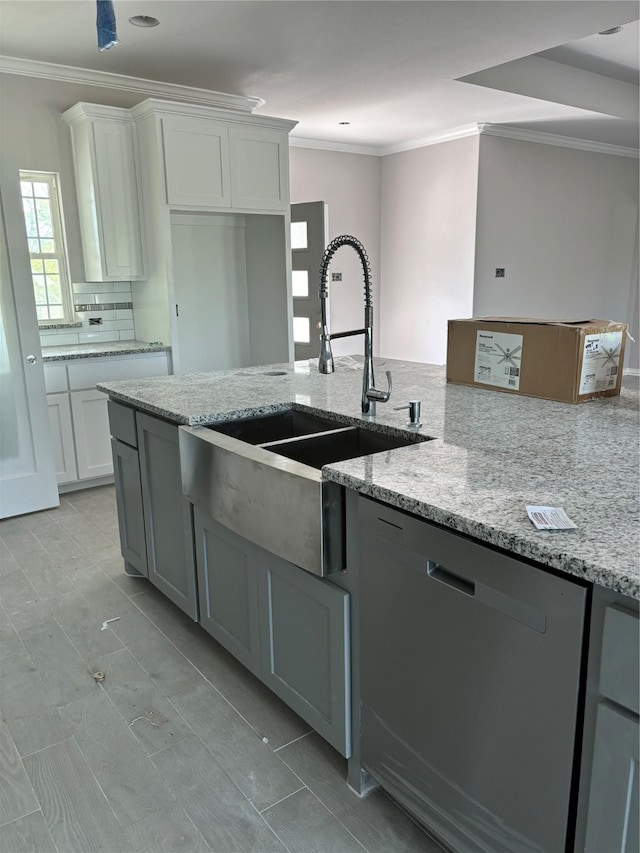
[[122, 422], [620, 657]]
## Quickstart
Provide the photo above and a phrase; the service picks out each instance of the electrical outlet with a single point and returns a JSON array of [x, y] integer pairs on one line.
[[500, 272], [95, 321], [336, 276]]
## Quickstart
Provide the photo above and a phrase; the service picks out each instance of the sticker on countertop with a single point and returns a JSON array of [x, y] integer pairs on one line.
[[498, 357], [600, 362], [550, 518]]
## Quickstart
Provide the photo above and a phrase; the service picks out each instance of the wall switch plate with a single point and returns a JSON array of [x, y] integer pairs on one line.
[[500, 272], [95, 321], [336, 276]]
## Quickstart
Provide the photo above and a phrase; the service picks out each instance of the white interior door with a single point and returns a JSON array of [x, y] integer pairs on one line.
[[27, 469], [309, 229]]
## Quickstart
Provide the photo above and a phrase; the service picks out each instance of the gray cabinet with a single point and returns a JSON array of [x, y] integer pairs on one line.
[[167, 514], [305, 647], [613, 821], [126, 470], [228, 570], [290, 628], [613, 816], [128, 484]]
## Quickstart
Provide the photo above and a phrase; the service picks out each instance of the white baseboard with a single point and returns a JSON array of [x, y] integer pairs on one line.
[[85, 484]]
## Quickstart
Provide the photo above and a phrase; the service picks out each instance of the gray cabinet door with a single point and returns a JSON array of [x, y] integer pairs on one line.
[[126, 470], [305, 648], [228, 570], [167, 514], [613, 818]]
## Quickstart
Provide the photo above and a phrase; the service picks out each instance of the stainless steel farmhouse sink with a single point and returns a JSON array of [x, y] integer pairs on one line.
[[261, 478]]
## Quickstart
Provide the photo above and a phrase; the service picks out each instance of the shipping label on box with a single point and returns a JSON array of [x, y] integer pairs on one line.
[[498, 357], [600, 362]]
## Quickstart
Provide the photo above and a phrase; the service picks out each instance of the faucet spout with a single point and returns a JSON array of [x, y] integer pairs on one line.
[[370, 394]]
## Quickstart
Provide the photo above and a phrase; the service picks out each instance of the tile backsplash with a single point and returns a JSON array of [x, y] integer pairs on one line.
[[106, 301]]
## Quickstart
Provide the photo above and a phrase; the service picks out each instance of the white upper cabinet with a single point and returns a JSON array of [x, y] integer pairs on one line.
[[107, 186], [214, 159], [210, 164], [259, 168], [196, 162]]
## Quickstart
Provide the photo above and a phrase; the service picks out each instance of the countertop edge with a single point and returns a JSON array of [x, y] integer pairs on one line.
[[74, 354], [621, 583]]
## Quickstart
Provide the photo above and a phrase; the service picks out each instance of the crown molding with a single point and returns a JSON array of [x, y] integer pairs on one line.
[[486, 129], [325, 145], [157, 106], [448, 136], [539, 136], [242, 104], [383, 150], [106, 79]]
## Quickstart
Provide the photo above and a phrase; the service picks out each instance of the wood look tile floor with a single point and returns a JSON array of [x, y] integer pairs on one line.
[[179, 748]]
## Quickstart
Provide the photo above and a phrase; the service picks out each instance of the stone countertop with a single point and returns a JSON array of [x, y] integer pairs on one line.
[[98, 350], [494, 453]]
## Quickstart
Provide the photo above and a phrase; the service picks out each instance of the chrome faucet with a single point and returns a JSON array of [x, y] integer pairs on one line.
[[370, 394]]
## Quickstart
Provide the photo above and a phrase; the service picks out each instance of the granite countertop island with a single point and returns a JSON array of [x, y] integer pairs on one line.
[[69, 352], [493, 454]]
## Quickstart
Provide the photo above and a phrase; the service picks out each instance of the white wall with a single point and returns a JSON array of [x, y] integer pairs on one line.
[[564, 224], [350, 186], [428, 237]]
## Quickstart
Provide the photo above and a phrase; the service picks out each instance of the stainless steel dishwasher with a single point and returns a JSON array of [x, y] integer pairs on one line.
[[470, 685]]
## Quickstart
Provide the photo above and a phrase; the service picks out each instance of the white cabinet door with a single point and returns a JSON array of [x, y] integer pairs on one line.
[[196, 162], [117, 200], [93, 438], [64, 450], [107, 187], [259, 168]]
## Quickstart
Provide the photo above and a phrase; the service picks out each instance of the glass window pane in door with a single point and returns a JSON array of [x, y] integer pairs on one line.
[[299, 235], [300, 283], [301, 334]]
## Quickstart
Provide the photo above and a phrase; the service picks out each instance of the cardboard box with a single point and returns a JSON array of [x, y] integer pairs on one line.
[[566, 360]]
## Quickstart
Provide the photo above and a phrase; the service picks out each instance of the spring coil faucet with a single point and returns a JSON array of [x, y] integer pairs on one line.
[[370, 394]]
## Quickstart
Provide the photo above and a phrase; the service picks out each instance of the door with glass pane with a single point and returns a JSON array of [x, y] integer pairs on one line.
[[27, 469], [309, 228]]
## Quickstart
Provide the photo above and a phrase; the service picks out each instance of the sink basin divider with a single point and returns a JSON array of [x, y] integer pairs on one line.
[[269, 445]]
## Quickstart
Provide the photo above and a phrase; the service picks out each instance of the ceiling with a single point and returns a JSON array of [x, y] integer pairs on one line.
[[391, 69]]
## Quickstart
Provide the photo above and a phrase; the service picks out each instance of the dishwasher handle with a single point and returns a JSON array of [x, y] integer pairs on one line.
[[444, 575]]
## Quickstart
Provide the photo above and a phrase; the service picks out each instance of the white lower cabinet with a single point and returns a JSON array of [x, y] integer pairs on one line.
[[93, 438], [62, 437], [78, 412]]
